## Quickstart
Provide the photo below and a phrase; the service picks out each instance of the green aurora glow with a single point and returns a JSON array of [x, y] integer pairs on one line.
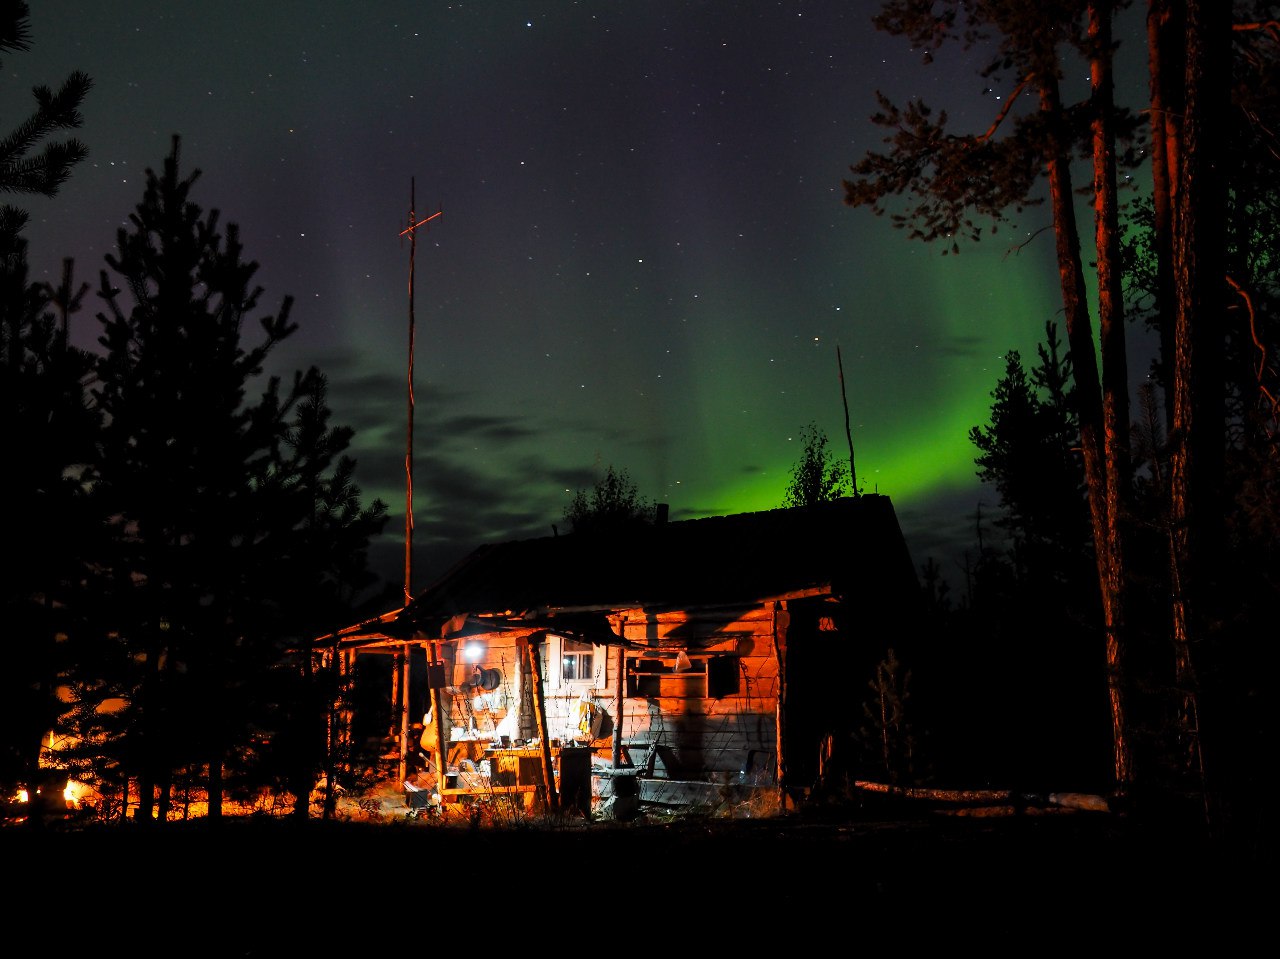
[[644, 259]]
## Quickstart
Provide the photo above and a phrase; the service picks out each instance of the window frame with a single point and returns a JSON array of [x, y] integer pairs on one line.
[[579, 650]]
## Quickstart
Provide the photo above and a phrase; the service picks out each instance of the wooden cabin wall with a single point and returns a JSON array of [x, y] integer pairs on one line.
[[478, 716], [729, 738]]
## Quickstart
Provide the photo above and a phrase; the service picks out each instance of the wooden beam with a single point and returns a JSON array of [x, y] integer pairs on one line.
[[440, 754], [531, 644], [781, 622], [621, 691]]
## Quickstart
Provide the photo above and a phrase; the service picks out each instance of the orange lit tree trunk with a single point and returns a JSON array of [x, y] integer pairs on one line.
[[1089, 410], [1115, 370], [216, 775], [1165, 70], [1166, 42], [1198, 432], [952, 174]]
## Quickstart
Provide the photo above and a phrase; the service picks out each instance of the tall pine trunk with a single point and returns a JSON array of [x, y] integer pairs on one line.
[[1165, 70], [215, 790], [1115, 370], [1198, 434], [149, 756], [1088, 409]]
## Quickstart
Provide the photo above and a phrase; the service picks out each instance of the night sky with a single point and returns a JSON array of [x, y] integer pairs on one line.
[[644, 258]]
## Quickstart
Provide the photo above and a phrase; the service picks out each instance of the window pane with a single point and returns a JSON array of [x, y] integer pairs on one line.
[[576, 663]]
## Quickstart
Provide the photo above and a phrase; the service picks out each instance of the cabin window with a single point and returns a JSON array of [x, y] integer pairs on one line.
[[577, 661], [693, 677]]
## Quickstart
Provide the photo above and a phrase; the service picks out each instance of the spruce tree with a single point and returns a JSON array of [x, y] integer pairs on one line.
[[215, 512], [21, 169], [329, 567], [51, 431], [1029, 454]]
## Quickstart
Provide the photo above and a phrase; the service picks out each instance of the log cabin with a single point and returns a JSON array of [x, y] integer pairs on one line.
[[709, 662]]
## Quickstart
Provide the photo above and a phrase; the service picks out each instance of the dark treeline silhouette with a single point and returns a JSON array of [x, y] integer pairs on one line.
[[182, 525], [1172, 507]]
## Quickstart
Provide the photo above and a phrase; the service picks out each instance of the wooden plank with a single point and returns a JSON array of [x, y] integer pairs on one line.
[[540, 712], [488, 790]]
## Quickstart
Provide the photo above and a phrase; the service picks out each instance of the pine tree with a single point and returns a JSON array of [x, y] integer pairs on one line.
[[954, 178], [330, 568], [52, 431], [45, 172], [1028, 452], [1212, 84], [225, 515], [1204, 261]]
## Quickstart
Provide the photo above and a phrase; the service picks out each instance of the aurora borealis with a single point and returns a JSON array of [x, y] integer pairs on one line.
[[643, 261]]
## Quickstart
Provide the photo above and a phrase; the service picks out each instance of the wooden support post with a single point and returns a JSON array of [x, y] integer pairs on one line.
[[340, 666], [396, 675], [781, 620], [531, 644], [440, 755], [406, 659], [621, 688]]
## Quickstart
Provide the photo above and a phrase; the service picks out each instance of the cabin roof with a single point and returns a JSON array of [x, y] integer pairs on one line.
[[850, 548]]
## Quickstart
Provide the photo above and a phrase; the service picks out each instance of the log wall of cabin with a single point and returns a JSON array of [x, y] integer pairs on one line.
[[726, 738]]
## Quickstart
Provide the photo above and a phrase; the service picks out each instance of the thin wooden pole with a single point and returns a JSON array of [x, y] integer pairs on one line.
[[405, 655], [853, 473], [621, 686], [781, 624], [531, 643], [440, 755]]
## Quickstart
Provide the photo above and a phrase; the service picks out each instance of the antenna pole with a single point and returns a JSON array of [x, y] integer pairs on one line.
[[400, 691], [853, 475], [412, 231]]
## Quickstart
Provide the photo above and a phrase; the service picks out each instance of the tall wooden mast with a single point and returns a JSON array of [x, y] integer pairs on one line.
[[404, 664], [853, 473]]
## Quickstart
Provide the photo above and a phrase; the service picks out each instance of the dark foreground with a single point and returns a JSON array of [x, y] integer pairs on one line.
[[1037, 884]]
